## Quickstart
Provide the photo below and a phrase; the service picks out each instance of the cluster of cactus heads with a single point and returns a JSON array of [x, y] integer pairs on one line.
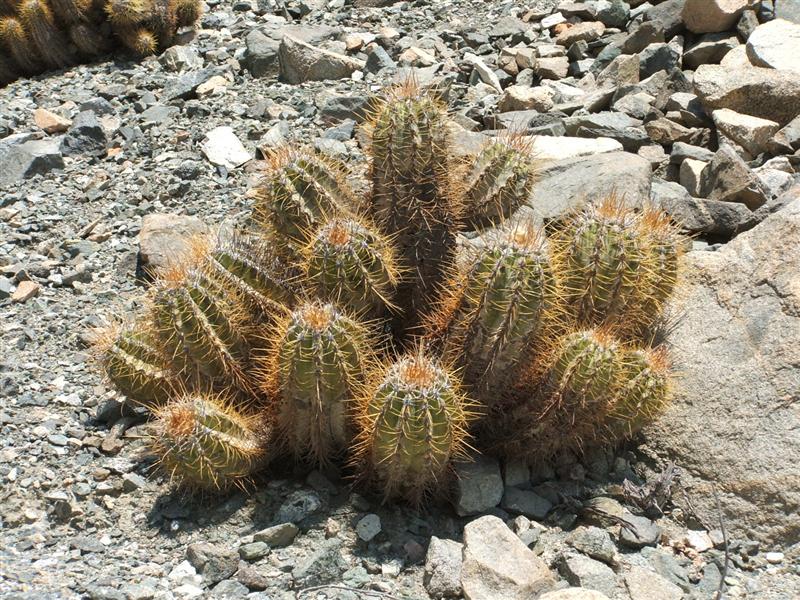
[[38, 35], [379, 342]]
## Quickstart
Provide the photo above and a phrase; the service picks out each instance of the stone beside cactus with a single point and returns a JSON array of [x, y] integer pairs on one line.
[[39, 35], [315, 369], [413, 422], [204, 442], [533, 343]]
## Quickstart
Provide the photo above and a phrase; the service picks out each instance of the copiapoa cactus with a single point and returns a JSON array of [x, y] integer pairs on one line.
[[498, 308], [413, 421], [318, 360], [348, 262], [204, 442]]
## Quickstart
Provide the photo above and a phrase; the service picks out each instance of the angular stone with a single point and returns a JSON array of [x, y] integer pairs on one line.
[[639, 532], [787, 140], [24, 160], [587, 32], [729, 179], [667, 132], [277, 536], [574, 594], [658, 57], [709, 49], [732, 422], [641, 36], [483, 72], [85, 136], [178, 58], [613, 13], [479, 485], [617, 126], [498, 566], [165, 238], [325, 565], [765, 93], [525, 502], [300, 61], [552, 147], [776, 45], [566, 184], [442, 578], [50, 122], [698, 215], [368, 527], [552, 68], [668, 16], [261, 54], [223, 148], [213, 562], [585, 572], [751, 133], [520, 97], [644, 584], [593, 542], [710, 16], [691, 175], [185, 86], [25, 291]]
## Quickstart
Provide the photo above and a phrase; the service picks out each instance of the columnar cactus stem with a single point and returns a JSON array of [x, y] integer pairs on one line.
[[413, 422], [49, 40], [19, 46], [203, 442], [70, 12], [349, 263]]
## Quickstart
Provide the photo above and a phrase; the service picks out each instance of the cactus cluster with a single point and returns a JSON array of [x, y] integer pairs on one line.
[[334, 329], [38, 35]]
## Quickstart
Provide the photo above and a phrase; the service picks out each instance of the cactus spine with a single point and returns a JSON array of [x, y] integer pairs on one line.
[[20, 48], [318, 361], [499, 181], [299, 191], [134, 363], [351, 264], [413, 421], [203, 327], [203, 442], [507, 297], [413, 193], [41, 27], [70, 12]]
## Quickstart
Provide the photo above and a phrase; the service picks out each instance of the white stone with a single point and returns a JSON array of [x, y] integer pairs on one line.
[[751, 133], [368, 527], [699, 540], [774, 558], [484, 72], [736, 58], [521, 97], [691, 175], [776, 45], [223, 148], [552, 20], [443, 568], [551, 147], [498, 566], [574, 594], [644, 584]]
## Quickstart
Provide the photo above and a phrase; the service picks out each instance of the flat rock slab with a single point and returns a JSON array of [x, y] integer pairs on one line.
[[734, 420], [776, 45], [567, 184], [223, 148]]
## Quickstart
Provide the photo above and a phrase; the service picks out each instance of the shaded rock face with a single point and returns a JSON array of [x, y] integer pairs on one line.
[[735, 417]]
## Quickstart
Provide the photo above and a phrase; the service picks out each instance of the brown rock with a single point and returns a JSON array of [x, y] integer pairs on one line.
[[25, 291], [50, 122], [588, 32]]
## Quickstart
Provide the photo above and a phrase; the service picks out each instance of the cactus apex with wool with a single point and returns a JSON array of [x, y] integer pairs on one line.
[[128, 13], [499, 180], [350, 263], [299, 190], [132, 360], [203, 442], [318, 359], [498, 308], [413, 421]]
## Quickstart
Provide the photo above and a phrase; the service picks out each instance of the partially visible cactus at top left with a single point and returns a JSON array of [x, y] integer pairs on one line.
[[37, 35]]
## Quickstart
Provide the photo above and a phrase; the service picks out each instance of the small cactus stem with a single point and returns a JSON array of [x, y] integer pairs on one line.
[[50, 41], [505, 300], [413, 190], [133, 362], [162, 22], [643, 394], [203, 442], [252, 268], [70, 12], [187, 12], [351, 264], [664, 247], [128, 13], [498, 182], [202, 326], [318, 363], [141, 41], [19, 46], [413, 422], [89, 40], [300, 190], [605, 257]]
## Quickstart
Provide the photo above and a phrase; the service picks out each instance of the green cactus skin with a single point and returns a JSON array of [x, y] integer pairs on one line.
[[413, 192], [187, 12], [318, 361], [643, 393], [20, 48], [162, 22], [573, 400], [499, 181], [128, 13], [299, 191], [350, 264], [40, 25], [141, 41], [202, 442], [413, 423], [251, 267], [664, 245], [506, 299], [203, 328]]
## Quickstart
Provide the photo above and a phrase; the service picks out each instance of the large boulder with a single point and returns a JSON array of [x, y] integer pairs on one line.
[[733, 425], [165, 238], [711, 16], [775, 45], [765, 93]]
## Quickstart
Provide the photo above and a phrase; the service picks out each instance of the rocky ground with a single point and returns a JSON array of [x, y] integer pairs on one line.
[[692, 104]]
